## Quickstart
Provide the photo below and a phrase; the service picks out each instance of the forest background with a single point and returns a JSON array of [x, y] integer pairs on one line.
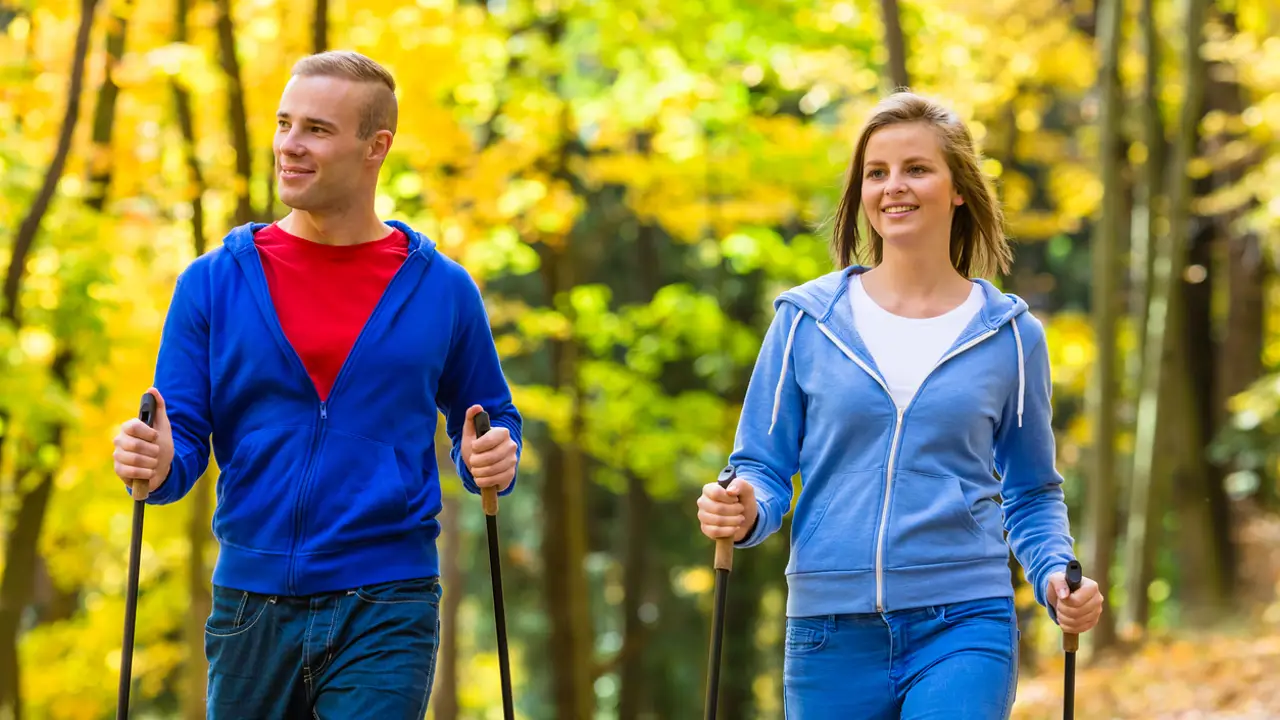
[[632, 184]]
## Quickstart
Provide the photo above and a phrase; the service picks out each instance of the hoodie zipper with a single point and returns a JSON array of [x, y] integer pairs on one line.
[[893, 444], [317, 441]]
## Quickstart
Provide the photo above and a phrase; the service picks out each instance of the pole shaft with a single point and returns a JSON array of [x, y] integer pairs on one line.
[[717, 638], [500, 616], [130, 613]]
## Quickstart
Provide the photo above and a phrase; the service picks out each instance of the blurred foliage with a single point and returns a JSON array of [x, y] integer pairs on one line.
[[718, 132]]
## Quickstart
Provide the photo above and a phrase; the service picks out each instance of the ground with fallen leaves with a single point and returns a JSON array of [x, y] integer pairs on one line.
[[1228, 673]]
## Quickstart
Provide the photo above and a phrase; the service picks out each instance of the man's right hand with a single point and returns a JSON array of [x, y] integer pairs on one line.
[[727, 512], [144, 453]]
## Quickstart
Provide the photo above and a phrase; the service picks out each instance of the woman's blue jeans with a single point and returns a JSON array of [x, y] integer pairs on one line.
[[945, 661]]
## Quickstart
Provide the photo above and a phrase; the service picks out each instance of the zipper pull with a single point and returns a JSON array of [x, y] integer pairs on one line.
[[324, 411]]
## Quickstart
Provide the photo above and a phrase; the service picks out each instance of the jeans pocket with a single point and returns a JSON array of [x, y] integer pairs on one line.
[[235, 611], [998, 610], [417, 590], [806, 635]]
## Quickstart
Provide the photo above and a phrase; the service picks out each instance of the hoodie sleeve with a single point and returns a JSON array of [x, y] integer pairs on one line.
[[1035, 512], [473, 376], [766, 449], [182, 377]]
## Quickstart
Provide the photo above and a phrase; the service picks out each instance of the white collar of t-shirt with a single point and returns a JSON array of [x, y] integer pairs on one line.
[[906, 349]]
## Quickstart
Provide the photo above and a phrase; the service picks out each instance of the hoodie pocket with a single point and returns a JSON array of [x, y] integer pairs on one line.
[[835, 523], [930, 523], [257, 489], [357, 496]]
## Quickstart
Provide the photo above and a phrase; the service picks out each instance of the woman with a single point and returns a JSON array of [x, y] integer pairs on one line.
[[914, 403]]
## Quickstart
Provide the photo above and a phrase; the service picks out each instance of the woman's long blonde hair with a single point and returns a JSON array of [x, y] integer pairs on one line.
[[979, 247]]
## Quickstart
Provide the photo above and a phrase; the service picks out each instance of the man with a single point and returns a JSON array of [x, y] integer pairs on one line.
[[316, 352]]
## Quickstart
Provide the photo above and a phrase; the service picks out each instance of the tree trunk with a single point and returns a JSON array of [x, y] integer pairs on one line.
[[1240, 359], [1102, 522], [30, 226], [320, 27], [22, 540], [63, 603], [444, 699], [636, 688], [564, 507], [1146, 489], [196, 668], [635, 633], [1241, 351], [21, 555], [104, 113], [15, 589], [1206, 494], [237, 117], [1161, 346], [896, 44]]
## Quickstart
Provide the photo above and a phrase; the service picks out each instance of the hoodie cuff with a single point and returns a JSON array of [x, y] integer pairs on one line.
[[754, 535], [1044, 592]]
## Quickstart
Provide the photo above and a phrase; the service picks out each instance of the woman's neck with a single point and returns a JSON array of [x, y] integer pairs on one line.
[[915, 284]]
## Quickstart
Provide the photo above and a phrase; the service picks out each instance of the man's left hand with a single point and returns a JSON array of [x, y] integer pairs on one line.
[[491, 458]]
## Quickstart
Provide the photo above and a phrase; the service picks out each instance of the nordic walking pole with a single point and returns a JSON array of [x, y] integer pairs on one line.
[[147, 414], [489, 499], [723, 566], [1070, 644]]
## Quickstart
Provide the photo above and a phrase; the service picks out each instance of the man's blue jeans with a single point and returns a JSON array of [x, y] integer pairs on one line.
[[946, 661], [368, 652]]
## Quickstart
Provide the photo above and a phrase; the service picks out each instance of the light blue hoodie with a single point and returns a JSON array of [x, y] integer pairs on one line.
[[902, 509]]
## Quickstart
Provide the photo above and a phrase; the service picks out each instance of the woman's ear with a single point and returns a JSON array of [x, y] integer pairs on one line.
[[958, 201]]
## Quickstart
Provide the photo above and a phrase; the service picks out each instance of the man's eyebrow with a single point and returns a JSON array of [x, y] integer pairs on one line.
[[309, 120]]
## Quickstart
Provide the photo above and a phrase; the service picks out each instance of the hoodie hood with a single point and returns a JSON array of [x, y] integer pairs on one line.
[[823, 299], [240, 239]]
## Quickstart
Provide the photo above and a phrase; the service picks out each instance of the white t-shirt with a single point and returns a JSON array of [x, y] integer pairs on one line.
[[907, 349]]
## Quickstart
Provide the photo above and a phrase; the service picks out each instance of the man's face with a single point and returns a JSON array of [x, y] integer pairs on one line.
[[321, 163]]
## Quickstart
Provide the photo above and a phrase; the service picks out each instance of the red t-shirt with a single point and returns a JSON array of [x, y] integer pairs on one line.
[[323, 294]]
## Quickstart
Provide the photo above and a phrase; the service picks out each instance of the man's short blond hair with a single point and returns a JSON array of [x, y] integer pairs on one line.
[[380, 109]]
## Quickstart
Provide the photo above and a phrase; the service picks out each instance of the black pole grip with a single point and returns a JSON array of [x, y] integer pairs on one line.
[[147, 414], [724, 546], [1075, 575], [726, 476], [488, 495]]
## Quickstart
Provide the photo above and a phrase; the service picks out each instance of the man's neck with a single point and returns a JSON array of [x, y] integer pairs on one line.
[[345, 229]]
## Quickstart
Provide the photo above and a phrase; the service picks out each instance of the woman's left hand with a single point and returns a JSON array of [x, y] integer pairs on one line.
[[1077, 611]]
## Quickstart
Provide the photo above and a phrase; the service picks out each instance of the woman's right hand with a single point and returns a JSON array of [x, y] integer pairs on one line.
[[727, 512]]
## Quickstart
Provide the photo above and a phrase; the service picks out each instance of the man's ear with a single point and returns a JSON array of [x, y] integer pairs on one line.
[[380, 146]]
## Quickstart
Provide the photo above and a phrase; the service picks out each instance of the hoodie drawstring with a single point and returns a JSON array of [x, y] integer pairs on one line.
[[786, 355], [1022, 381]]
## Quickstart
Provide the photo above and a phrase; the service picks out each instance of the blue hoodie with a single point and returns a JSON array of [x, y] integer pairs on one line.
[[320, 496], [902, 509]]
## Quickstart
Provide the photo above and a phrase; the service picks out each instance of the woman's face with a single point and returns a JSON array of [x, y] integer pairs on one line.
[[907, 191]]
